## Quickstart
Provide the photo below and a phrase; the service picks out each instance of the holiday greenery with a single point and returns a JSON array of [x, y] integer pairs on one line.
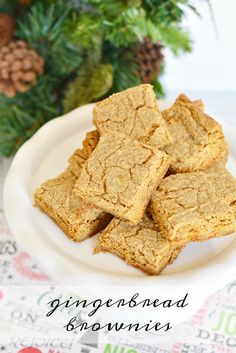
[[56, 55]]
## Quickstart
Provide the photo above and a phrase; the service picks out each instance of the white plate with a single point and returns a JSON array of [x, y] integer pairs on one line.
[[209, 264]]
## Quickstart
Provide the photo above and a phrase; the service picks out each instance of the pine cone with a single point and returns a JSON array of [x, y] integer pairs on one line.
[[19, 68], [149, 58], [7, 26]]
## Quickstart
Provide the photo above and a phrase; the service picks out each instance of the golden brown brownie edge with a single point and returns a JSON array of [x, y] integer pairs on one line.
[[80, 155]]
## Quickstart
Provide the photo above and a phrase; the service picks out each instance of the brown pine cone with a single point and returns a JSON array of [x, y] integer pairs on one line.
[[149, 58], [19, 68], [7, 26]]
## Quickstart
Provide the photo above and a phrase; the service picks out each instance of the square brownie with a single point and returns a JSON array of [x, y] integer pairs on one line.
[[136, 113], [79, 220], [142, 246], [187, 207], [120, 176], [198, 140]]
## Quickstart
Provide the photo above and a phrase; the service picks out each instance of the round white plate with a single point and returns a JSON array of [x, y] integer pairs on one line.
[[209, 264]]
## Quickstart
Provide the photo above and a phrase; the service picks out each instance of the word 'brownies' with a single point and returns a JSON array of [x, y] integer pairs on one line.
[[151, 182]]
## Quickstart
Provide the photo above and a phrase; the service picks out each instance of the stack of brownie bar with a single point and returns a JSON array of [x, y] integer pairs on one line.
[[150, 181]]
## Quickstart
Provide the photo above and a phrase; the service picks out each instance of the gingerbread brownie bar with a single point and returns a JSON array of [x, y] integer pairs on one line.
[[78, 219], [141, 246], [121, 175], [187, 207], [198, 140], [134, 111]]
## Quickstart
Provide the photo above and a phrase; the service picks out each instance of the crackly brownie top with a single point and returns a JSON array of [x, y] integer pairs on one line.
[[197, 138], [224, 182], [58, 193], [143, 237], [119, 168], [187, 197], [135, 113]]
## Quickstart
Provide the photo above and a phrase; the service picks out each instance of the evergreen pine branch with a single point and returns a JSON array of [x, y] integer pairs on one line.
[[158, 88], [123, 77], [23, 114], [15, 127], [127, 28], [125, 69], [113, 8], [164, 12], [9, 7], [42, 28], [90, 38], [84, 30], [176, 39], [157, 85]]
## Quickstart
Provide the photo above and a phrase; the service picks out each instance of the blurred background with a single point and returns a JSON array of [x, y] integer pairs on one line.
[[57, 55], [209, 71], [212, 63]]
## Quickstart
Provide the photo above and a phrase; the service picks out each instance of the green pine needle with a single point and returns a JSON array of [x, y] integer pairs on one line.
[[42, 27], [22, 115], [176, 39]]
